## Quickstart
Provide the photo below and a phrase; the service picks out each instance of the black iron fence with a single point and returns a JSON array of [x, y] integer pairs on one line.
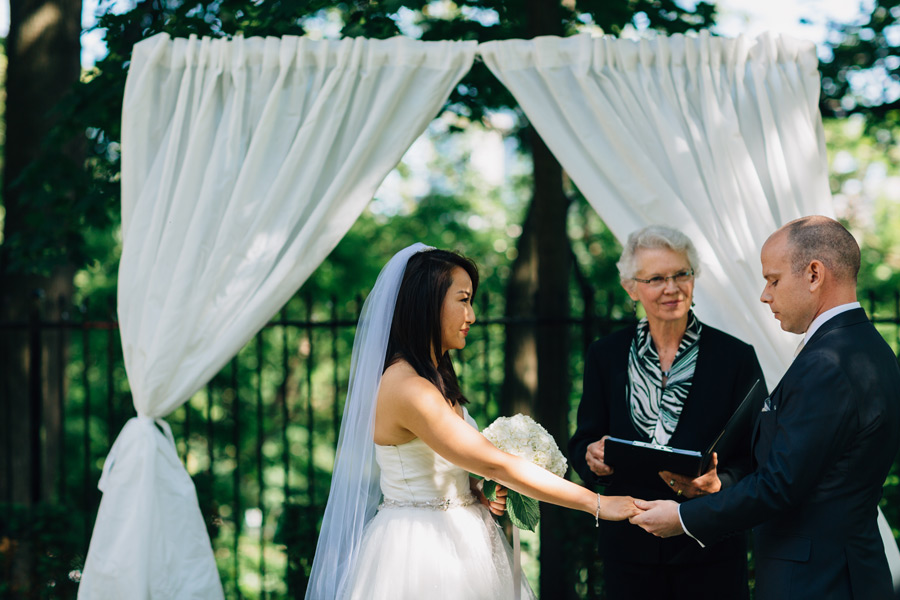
[[258, 440]]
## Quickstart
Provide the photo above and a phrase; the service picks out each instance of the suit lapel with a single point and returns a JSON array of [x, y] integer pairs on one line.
[[761, 439]]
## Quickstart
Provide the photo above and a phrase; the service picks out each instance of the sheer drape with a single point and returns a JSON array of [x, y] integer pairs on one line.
[[244, 162], [721, 138]]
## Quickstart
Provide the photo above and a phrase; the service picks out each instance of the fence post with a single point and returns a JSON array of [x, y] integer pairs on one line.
[[61, 388], [285, 413], [486, 362], [237, 509], [335, 405], [260, 464], [310, 417], [86, 415], [112, 425], [897, 320], [35, 400]]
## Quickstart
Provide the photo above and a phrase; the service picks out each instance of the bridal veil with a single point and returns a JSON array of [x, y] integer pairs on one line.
[[355, 492]]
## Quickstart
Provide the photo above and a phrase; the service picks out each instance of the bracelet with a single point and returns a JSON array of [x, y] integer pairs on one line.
[[597, 514]]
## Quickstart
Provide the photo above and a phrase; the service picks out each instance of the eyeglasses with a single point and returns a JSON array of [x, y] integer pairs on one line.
[[659, 281]]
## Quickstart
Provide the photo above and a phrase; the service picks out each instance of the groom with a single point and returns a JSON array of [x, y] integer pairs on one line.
[[824, 441]]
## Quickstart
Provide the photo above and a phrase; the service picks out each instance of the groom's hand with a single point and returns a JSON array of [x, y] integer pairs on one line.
[[660, 517]]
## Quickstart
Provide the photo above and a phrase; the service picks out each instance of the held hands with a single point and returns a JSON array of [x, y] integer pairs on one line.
[[618, 508], [594, 457], [659, 517], [708, 483]]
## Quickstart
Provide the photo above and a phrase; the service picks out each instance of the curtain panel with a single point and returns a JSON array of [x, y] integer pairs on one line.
[[244, 162], [720, 138]]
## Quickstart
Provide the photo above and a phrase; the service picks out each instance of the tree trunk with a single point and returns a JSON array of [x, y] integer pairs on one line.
[[553, 348], [43, 51], [520, 379], [552, 310], [537, 378], [43, 63]]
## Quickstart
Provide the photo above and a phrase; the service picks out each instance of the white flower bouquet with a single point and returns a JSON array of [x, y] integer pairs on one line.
[[521, 436]]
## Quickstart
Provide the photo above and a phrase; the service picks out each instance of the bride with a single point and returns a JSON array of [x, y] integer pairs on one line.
[[407, 436]]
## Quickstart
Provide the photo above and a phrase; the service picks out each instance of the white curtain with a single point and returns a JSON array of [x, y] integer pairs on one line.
[[721, 138], [718, 137], [244, 162]]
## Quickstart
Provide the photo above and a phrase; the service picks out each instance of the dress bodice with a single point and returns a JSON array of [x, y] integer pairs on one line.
[[430, 537], [414, 473]]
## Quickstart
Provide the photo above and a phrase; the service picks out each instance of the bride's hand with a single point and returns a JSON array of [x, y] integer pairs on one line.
[[618, 508], [498, 506]]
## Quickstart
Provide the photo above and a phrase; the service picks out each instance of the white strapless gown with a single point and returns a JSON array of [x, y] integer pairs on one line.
[[431, 539]]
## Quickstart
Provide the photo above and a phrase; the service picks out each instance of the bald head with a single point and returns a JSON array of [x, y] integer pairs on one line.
[[810, 266], [820, 238]]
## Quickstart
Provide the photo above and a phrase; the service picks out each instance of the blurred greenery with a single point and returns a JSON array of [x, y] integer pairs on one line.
[[861, 68], [45, 532], [865, 183]]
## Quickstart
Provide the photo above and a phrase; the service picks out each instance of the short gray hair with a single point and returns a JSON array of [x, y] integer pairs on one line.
[[653, 237]]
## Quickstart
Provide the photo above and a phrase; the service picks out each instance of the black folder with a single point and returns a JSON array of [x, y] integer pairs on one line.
[[637, 460]]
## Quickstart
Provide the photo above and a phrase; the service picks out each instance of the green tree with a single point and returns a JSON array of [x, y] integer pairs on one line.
[[861, 104], [540, 280], [861, 69], [42, 51]]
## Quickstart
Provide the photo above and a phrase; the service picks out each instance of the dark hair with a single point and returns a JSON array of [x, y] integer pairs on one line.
[[820, 238], [416, 325]]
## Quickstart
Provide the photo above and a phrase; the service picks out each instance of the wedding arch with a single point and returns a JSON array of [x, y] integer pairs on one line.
[[245, 161]]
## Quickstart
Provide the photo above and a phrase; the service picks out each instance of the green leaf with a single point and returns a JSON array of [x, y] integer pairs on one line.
[[523, 511], [490, 490]]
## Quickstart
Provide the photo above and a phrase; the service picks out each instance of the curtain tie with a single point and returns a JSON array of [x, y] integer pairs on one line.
[[139, 420]]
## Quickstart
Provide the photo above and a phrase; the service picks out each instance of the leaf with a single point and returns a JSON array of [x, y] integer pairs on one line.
[[523, 511], [490, 490]]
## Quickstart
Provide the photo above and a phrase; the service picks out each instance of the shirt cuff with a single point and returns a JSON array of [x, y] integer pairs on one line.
[[690, 535]]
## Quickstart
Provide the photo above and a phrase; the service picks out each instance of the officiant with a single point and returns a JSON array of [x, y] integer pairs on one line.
[[668, 380]]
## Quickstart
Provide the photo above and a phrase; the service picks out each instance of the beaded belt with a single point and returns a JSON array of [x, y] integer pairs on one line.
[[433, 504]]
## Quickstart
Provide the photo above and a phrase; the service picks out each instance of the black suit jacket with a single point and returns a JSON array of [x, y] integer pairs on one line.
[[823, 450], [726, 368]]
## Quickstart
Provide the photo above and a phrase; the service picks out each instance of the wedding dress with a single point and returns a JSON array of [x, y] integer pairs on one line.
[[431, 539], [400, 523]]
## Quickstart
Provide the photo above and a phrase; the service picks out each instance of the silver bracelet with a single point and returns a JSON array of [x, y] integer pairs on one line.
[[597, 514]]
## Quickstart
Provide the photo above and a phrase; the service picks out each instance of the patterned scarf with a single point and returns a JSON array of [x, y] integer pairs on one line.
[[655, 409]]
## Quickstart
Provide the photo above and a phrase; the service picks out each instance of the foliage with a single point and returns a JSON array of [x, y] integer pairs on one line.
[[235, 467], [862, 73], [865, 181], [523, 511], [75, 206], [48, 534]]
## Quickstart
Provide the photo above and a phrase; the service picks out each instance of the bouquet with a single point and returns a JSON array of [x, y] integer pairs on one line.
[[523, 437]]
